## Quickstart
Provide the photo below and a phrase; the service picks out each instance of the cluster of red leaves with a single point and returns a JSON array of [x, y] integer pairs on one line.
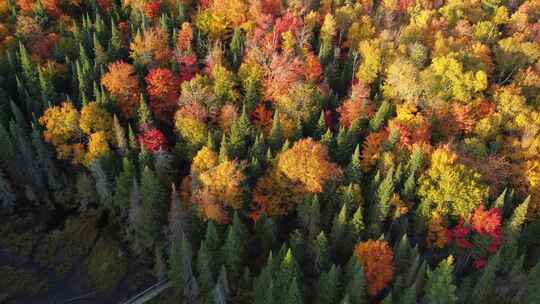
[[151, 9], [280, 75], [354, 109], [44, 46], [405, 4], [262, 117], [188, 66], [410, 134], [288, 22], [105, 5], [162, 87], [483, 222], [376, 258], [153, 140], [193, 110], [52, 7]]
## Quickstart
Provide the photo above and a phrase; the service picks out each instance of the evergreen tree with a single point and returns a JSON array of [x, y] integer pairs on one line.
[[153, 207], [321, 127], [343, 147], [275, 138], [381, 116], [120, 136], [329, 286], [204, 271], [353, 172], [103, 187], [180, 271], [224, 149], [233, 253], [355, 282], [530, 292], [7, 195], [48, 94], [288, 272], [321, 254], [240, 135], [236, 48], [144, 114], [100, 55], [293, 294], [340, 233], [28, 69], [440, 288], [178, 217], [484, 288], [409, 295], [123, 185], [45, 158]]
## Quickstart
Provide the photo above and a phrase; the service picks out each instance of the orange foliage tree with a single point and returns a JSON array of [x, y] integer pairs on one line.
[[122, 83], [150, 48], [162, 86], [220, 187], [376, 258]]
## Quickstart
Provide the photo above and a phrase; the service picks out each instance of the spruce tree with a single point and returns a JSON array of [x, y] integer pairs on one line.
[[381, 116], [484, 288], [321, 253], [275, 138], [240, 135], [103, 184], [7, 195], [236, 48], [531, 289], [181, 275], [440, 287], [120, 136], [213, 242], [357, 286], [321, 127], [353, 172], [409, 295], [204, 271], [123, 185], [100, 55], [144, 113], [329, 286], [224, 149], [288, 271], [153, 207], [294, 295], [233, 253], [343, 147]]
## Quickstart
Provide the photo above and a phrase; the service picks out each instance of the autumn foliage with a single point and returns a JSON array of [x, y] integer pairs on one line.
[[122, 83], [163, 86], [307, 162], [376, 258]]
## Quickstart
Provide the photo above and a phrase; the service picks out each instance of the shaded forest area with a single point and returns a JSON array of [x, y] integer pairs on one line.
[[270, 151]]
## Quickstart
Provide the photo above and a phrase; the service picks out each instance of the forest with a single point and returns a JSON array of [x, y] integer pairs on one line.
[[270, 151]]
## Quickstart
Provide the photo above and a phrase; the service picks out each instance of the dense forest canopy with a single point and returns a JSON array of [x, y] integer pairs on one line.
[[270, 151]]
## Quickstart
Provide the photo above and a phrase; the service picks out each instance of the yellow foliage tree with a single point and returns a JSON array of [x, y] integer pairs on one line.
[[307, 162], [449, 187]]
